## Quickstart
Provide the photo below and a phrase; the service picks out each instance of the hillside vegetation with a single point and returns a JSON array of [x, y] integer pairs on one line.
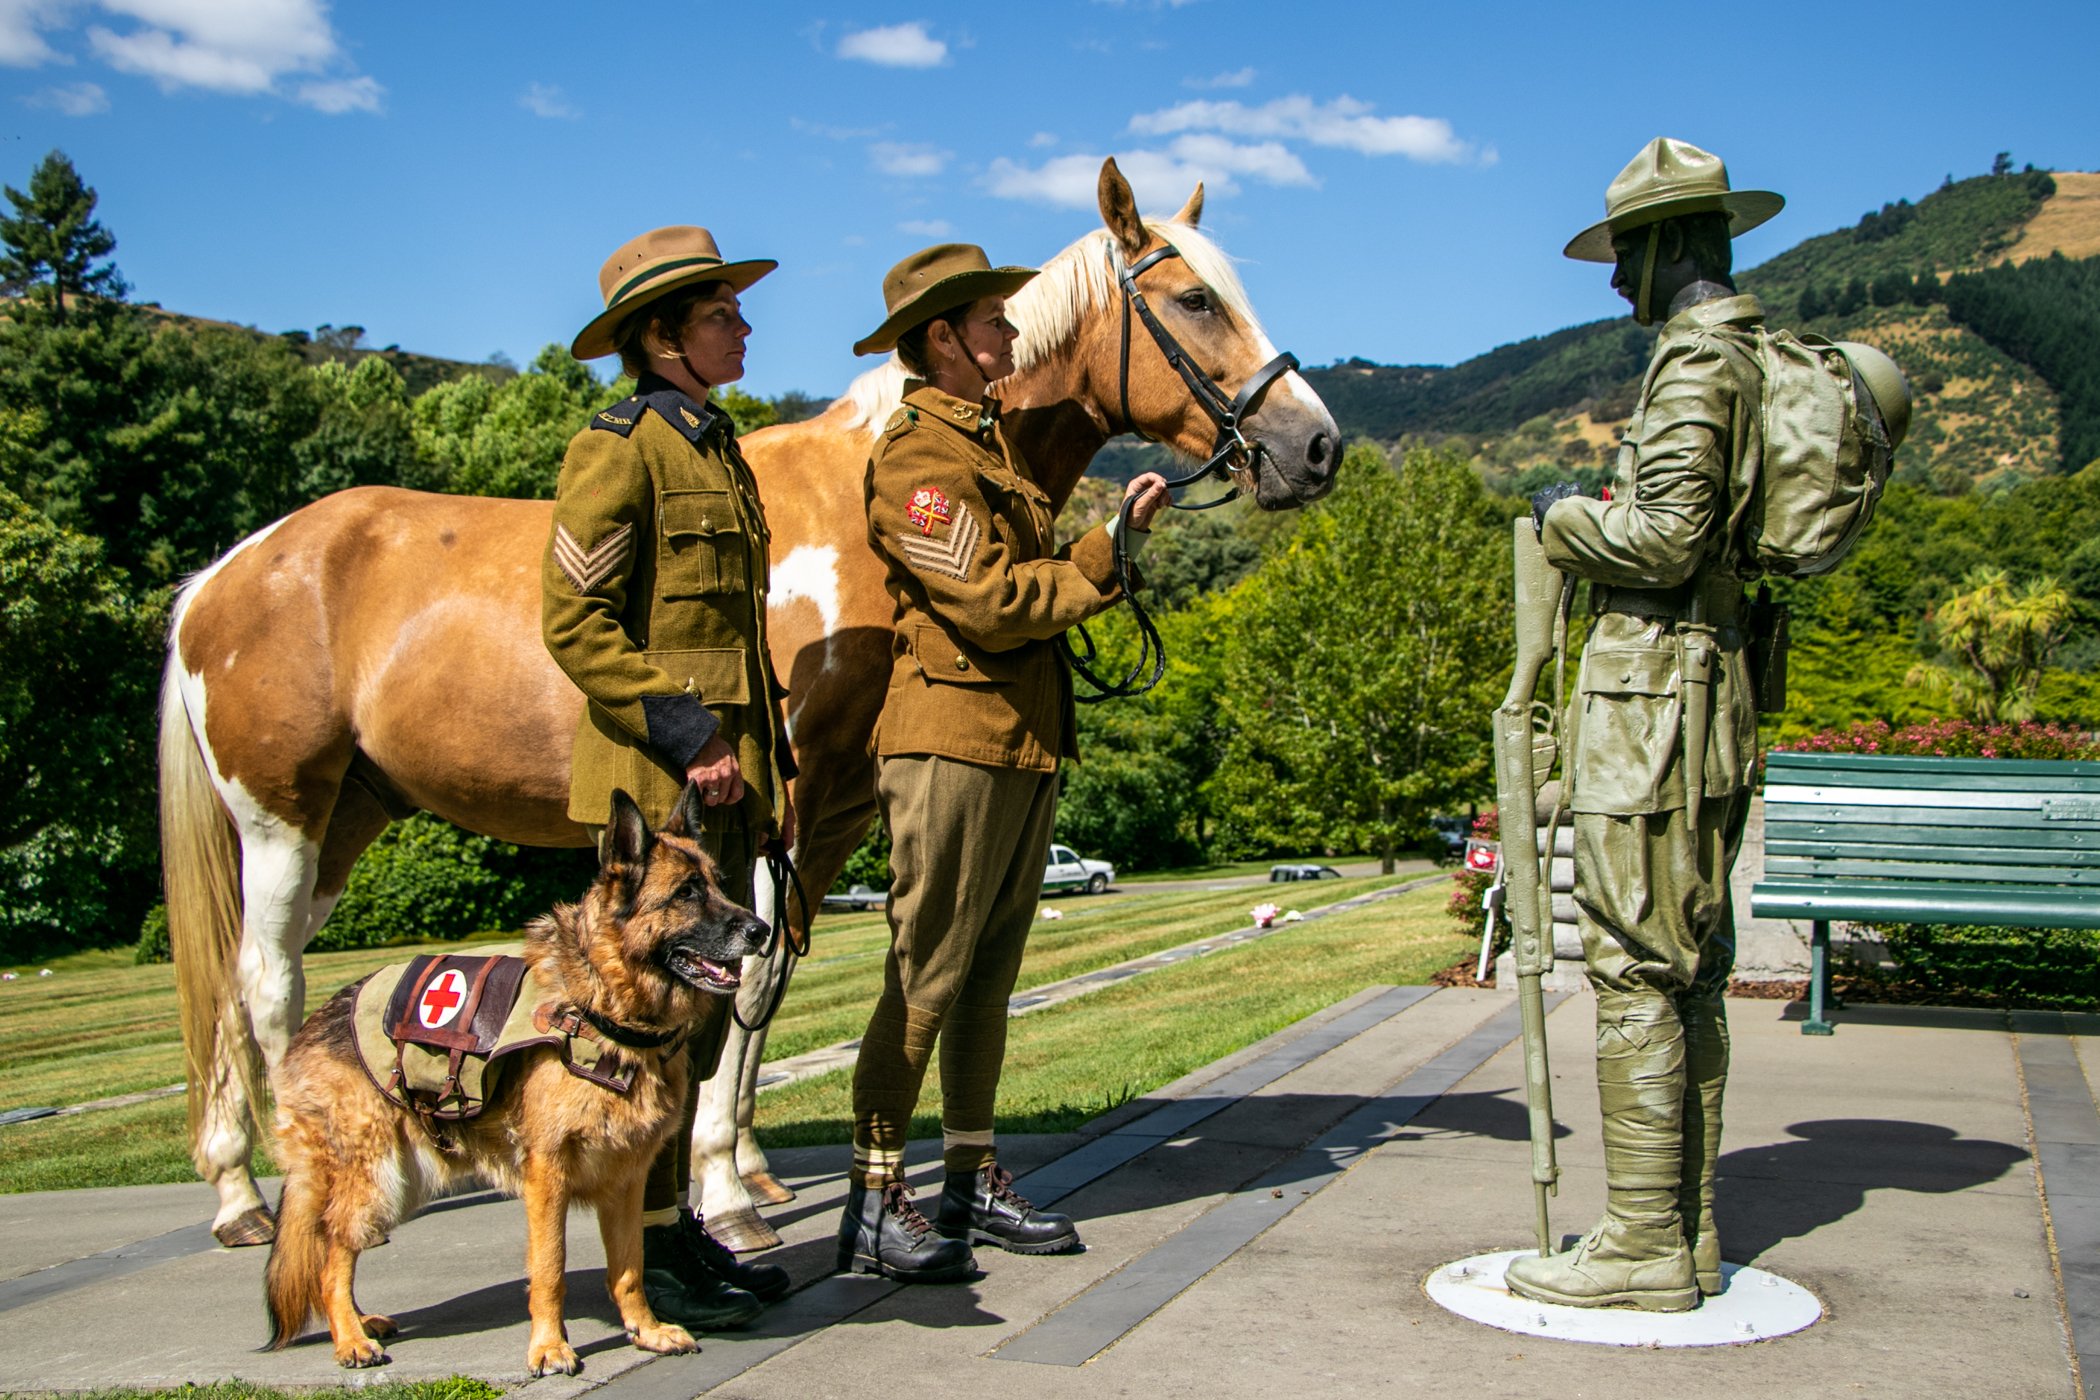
[[1908, 277]]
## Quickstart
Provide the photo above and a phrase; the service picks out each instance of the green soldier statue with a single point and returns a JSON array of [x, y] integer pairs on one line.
[[1662, 733]]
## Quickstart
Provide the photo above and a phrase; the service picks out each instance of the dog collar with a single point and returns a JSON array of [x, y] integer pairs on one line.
[[627, 1035]]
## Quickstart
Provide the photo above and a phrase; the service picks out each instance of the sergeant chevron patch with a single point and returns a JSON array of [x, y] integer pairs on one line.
[[951, 556], [587, 568]]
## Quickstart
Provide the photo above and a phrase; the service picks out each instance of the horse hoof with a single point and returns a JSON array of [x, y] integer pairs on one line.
[[767, 1190], [254, 1225], [743, 1231]]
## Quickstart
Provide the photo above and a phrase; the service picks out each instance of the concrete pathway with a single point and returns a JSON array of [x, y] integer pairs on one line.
[[1262, 1228]]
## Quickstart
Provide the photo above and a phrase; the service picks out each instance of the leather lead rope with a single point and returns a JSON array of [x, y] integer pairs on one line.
[[783, 940]]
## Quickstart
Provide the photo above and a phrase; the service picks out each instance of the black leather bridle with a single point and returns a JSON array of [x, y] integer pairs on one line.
[[1232, 453], [1232, 456]]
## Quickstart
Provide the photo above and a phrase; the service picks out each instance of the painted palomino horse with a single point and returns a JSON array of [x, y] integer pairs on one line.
[[379, 652]]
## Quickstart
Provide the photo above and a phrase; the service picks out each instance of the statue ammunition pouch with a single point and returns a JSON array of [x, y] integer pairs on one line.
[[1765, 635], [433, 1033]]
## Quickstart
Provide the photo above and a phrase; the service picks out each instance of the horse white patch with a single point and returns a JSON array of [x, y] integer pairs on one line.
[[810, 573]]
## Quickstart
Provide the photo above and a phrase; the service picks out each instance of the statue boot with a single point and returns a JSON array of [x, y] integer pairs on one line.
[[1705, 1020], [1636, 1255]]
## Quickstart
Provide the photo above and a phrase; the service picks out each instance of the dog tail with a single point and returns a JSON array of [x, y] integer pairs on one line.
[[292, 1279], [201, 864]]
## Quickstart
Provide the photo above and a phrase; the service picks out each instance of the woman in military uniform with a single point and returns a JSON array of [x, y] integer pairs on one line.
[[654, 603], [977, 716]]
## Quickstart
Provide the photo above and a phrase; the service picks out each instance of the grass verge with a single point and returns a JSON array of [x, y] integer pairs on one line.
[[454, 1388]]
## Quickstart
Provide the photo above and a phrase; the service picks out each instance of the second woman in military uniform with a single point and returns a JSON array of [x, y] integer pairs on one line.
[[976, 719]]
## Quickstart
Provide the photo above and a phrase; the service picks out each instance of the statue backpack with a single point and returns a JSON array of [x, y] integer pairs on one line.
[[1828, 447]]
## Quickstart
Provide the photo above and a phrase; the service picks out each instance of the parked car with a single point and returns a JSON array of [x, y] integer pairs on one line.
[[1302, 870], [1451, 835], [859, 897], [1066, 870]]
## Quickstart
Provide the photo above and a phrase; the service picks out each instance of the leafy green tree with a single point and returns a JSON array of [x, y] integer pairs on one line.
[[1813, 302], [483, 439], [1362, 662], [1852, 297], [78, 672], [54, 244], [1996, 639]]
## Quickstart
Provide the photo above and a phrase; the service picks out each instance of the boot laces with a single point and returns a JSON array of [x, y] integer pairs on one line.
[[896, 1199], [999, 1184], [710, 1249]]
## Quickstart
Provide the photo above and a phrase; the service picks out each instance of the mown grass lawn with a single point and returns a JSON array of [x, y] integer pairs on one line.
[[456, 1388], [101, 1027]]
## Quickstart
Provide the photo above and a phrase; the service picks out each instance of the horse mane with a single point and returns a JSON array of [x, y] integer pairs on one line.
[[1048, 311]]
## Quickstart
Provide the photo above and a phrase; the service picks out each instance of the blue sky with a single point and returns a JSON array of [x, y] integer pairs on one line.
[[1397, 179]]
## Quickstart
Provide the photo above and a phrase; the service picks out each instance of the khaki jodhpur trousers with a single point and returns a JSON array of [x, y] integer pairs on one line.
[[967, 844], [730, 840]]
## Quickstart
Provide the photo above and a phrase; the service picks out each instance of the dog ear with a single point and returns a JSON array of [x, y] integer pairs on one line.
[[688, 816], [626, 835]]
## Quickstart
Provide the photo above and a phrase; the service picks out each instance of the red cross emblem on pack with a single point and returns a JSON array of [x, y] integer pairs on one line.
[[928, 509], [442, 999]]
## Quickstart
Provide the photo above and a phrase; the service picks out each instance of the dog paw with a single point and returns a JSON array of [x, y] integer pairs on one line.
[[559, 1357], [360, 1353], [665, 1339], [378, 1326]]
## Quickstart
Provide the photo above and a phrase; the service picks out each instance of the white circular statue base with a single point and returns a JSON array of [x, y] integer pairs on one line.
[[1753, 1306]]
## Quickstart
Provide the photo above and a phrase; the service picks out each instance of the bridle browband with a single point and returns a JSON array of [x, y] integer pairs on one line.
[[1231, 453]]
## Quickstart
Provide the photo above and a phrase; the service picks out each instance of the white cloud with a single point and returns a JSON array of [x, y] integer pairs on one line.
[[926, 228], [75, 100], [909, 158], [836, 133], [1345, 123], [548, 100], [1156, 176], [895, 46], [244, 48], [1042, 141], [1238, 78], [21, 38], [339, 95]]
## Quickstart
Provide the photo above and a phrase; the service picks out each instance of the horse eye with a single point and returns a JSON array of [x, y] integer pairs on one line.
[[1195, 302]]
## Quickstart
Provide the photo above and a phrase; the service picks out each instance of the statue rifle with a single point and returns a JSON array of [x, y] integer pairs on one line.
[[1525, 749]]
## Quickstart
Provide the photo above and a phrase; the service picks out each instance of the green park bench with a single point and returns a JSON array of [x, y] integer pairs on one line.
[[1874, 838]]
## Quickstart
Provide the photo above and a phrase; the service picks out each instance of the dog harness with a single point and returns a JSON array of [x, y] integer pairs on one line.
[[432, 1033]]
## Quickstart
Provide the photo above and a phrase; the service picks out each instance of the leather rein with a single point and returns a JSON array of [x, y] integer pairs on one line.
[[1232, 455]]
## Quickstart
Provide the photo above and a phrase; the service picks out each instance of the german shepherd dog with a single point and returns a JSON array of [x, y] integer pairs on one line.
[[652, 948]]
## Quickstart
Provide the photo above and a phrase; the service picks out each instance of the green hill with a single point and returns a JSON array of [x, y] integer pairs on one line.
[[1995, 386]]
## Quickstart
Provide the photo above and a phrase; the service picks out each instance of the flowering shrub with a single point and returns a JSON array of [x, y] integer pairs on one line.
[[1469, 887], [1954, 738]]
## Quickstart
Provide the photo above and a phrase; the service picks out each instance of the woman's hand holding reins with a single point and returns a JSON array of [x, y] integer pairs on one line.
[[1147, 497], [715, 770]]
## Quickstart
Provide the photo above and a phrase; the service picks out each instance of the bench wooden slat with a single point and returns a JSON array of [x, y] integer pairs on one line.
[[1875, 770], [2050, 806], [1931, 822], [2073, 850], [1925, 902], [1845, 868]]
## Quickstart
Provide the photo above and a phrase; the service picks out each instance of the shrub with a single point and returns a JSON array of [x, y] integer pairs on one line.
[[1954, 738], [154, 946], [426, 879], [2052, 968], [1469, 887]]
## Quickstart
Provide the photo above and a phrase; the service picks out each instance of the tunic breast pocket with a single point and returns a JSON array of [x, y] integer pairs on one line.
[[704, 546], [1626, 750]]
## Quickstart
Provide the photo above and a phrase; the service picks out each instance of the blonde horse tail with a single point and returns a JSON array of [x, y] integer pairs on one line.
[[201, 868]]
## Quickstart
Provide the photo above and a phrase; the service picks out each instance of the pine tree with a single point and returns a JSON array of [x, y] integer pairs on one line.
[[54, 242], [1852, 298], [1813, 303]]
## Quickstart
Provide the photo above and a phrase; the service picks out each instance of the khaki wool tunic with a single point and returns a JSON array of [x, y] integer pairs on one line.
[[981, 591], [653, 601]]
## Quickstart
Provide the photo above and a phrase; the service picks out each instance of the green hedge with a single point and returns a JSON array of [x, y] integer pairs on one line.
[[425, 879], [2048, 968]]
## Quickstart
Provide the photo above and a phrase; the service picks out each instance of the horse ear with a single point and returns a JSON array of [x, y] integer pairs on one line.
[[1192, 212], [1119, 211], [627, 835], [690, 813]]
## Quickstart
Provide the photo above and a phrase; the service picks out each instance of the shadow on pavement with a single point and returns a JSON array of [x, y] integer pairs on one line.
[[1784, 1191]]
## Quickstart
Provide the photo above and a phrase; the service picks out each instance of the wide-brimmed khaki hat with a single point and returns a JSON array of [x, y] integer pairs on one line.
[[1666, 179], [934, 280], [654, 265], [1885, 380]]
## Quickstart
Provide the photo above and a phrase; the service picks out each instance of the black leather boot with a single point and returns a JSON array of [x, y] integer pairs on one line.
[[883, 1233], [681, 1289], [768, 1282], [983, 1208]]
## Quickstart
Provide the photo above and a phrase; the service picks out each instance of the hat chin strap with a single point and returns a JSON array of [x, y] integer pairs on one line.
[[1642, 312], [698, 377]]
